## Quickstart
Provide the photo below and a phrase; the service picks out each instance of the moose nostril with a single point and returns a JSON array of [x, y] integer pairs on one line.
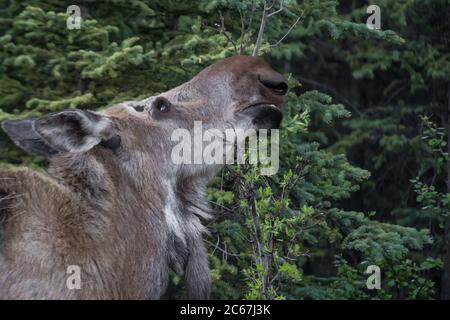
[[279, 86], [139, 108]]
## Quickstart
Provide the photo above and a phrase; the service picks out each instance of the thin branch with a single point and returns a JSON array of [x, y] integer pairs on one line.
[[262, 28], [251, 17], [286, 34], [266, 15], [224, 31], [241, 45], [277, 11], [222, 250], [217, 245], [271, 6], [245, 30], [221, 206]]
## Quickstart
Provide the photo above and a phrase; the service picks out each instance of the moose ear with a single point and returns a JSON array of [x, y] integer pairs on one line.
[[23, 135], [68, 131]]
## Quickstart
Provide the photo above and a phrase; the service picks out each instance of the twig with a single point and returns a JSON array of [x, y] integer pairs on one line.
[[224, 31], [221, 206], [241, 45], [277, 11], [222, 250], [286, 34], [271, 6], [265, 16], [251, 17], [217, 244], [262, 28]]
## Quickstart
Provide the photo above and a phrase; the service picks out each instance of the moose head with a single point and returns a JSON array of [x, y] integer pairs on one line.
[[237, 92], [118, 163]]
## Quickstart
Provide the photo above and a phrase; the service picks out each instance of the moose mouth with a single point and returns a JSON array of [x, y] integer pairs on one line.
[[264, 115]]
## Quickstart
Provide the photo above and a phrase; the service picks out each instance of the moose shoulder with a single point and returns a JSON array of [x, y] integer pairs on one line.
[[112, 202]]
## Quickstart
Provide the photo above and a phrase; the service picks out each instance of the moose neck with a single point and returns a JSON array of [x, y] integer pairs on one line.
[[135, 188], [87, 176]]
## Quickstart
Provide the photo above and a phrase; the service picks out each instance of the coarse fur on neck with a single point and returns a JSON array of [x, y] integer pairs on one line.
[[117, 198]]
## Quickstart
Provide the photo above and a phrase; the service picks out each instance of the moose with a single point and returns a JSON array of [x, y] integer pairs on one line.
[[111, 201]]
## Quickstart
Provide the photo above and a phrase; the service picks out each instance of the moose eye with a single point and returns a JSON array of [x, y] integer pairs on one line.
[[163, 105], [161, 109]]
